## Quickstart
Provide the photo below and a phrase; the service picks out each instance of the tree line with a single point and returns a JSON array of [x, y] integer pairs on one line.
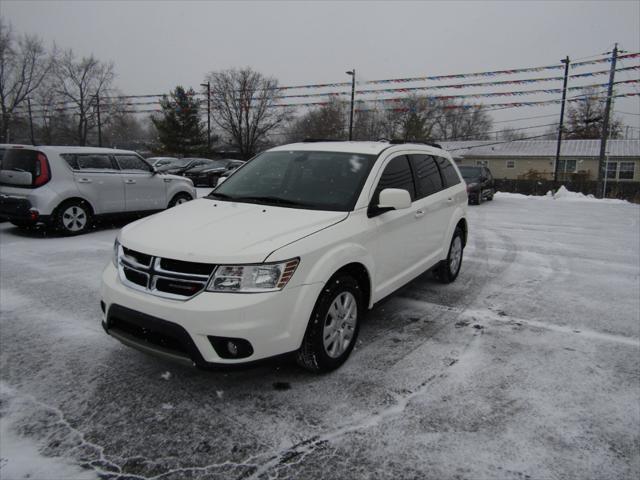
[[74, 101]]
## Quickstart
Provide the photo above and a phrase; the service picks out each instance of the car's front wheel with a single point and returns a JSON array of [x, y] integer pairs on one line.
[[333, 327]]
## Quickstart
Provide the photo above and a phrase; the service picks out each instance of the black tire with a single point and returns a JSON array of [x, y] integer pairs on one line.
[[490, 197], [447, 272], [179, 198], [73, 217], [313, 355], [479, 198]]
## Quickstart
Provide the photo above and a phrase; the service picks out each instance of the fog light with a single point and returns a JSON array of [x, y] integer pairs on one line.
[[230, 347]]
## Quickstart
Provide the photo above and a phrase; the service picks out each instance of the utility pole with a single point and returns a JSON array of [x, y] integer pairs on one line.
[[208, 87], [33, 140], [353, 94], [605, 123], [99, 123], [561, 126]]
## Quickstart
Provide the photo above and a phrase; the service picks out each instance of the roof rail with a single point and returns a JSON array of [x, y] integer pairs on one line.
[[315, 140], [398, 141]]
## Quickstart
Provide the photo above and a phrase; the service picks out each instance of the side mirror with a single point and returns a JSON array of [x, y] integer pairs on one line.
[[220, 180], [394, 199]]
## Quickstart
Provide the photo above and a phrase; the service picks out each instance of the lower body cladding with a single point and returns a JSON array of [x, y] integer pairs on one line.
[[20, 210], [210, 329]]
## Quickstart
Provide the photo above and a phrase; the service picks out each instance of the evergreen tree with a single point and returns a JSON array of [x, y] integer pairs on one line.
[[180, 130]]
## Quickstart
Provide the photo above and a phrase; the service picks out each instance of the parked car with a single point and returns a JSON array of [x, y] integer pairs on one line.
[[67, 187], [480, 185], [160, 161], [287, 254], [176, 166], [208, 174]]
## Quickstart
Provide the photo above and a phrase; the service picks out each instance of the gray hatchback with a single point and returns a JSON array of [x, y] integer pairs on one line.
[[67, 187]]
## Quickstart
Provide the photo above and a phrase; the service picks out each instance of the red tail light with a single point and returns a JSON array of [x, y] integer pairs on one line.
[[42, 171]]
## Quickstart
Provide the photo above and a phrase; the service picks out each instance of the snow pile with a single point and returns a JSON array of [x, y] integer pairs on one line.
[[562, 194], [567, 195]]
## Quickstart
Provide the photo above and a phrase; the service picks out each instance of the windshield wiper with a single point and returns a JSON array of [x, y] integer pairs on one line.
[[270, 199]]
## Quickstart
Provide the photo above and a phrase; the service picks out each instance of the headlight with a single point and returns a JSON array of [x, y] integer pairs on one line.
[[471, 186], [264, 277], [116, 248]]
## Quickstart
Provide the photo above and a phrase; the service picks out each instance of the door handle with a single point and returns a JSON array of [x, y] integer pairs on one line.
[[167, 180], [129, 181], [419, 213], [84, 180]]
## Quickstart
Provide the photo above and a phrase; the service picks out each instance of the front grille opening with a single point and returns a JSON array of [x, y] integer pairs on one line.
[[135, 277], [180, 266], [178, 287], [156, 338], [141, 258]]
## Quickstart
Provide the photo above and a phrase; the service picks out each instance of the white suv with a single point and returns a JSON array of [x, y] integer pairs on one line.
[[287, 254], [66, 187]]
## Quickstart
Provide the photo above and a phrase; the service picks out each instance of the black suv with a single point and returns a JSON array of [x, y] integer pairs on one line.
[[480, 185]]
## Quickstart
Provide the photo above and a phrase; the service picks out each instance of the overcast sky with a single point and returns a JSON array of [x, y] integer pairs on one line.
[[157, 45]]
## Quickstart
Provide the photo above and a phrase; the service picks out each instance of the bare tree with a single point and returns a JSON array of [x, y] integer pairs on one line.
[[586, 116], [509, 134], [244, 107], [79, 84], [455, 122], [326, 122], [24, 63]]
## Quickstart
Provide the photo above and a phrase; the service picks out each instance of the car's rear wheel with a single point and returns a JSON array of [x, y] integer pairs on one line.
[[73, 217], [449, 269], [180, 198], [333, 327]]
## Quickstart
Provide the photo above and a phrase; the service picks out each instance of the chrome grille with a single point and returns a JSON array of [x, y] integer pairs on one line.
[[163, 277]]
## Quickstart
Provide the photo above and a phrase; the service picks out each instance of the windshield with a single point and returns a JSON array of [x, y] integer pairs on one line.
[[470, 172], [299, 179]]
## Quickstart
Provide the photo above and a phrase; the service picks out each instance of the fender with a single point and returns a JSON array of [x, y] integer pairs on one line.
[[319, 268], [458, 215]]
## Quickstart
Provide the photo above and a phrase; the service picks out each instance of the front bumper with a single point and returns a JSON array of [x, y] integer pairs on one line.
[[272, 323]]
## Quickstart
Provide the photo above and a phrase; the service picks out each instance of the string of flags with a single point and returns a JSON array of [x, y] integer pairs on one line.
[[459, 85], [467, 95]]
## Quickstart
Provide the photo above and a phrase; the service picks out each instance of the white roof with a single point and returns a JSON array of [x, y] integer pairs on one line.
[[369, 148], [541, 148]]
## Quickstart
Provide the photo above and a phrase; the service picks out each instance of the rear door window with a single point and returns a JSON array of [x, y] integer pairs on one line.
[[428, 180], [447, 170], [90, 162], [397, 174], [132, 163]]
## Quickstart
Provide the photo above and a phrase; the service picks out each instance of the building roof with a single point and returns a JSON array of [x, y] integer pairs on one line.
[[541, 148]]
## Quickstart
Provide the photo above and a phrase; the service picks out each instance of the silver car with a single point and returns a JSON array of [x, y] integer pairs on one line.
[[67, 187]]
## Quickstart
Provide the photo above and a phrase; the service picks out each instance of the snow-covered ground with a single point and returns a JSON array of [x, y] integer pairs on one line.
[[528, 366]]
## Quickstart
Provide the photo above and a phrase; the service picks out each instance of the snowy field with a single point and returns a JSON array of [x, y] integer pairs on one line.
[[528, 366]]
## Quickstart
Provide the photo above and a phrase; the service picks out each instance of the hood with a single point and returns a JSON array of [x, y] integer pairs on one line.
[[213, 231]]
